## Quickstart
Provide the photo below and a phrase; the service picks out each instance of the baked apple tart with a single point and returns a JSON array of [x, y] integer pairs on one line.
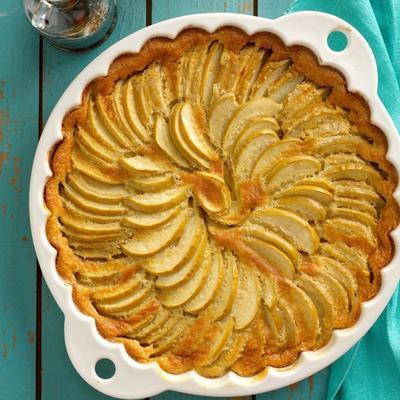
[[221, 202]]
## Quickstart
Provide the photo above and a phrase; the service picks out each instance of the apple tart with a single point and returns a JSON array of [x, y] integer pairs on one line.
[[221, 202]]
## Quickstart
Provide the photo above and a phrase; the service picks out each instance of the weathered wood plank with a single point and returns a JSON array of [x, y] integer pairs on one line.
[[162, 10], [313, 388], [273, 8], [19, 68], [59, 70]]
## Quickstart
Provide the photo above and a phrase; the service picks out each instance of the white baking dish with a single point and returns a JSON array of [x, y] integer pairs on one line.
[[84, 344]]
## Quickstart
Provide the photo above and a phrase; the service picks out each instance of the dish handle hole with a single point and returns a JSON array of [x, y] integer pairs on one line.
[[105, 368], [337, 41]]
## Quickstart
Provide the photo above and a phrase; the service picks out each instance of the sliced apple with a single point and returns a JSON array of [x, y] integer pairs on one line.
[[153, 89], [248, 155], [223, 300], [353, 171], [317, 181], [104, 106], [303, 311], [220, 115], [268, 291], [273, 153], [342, 274], [261, 124], [351, 214], [285, 84], [272, 238], [210, 190], [213, 283], [157, 323], [152, 183], [110, 307], [140, 165], [185, 272], [143, 108], [320, 122], [247, 300], [175, 256], [306, 207], [183, 293], [158, 201], [91, 157], [148, 242], [120, 289], [245, 114], [81, 164], [82, 226], [223, 332], [195, 64], [314, 192], [138, 219], [291, 169], [95, 190], [272, 255], [356, 190], [194, 131], [84, 237], [105, 250], [280, 326], [174, 317], [324, 303], [131, 110], [78, 212], [180, 141], [249, 75], [350, 232], [295, 228], [166, 144], [90, 205], [355, 260], [359, 205], [233, 66], [172, 336], [341, 158], [100, 150], [173, 74], [98, 131], [117, 97], [339, 144], [98, 278], [210, 72], [304, 97], [270, 72], [339, 296]]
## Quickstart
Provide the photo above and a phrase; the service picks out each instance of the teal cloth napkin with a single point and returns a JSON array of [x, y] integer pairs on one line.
[[371, 369]]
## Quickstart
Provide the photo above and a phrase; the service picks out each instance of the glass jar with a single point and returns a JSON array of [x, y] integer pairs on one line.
[[72, 24]]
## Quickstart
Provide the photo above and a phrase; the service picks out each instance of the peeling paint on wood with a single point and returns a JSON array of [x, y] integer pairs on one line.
[[4, 120], [31, 337], [3, 158], [5, 350], [14, 180], [311, 383]]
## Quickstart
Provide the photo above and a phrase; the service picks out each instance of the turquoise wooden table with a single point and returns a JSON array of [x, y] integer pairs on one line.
[[33, 75]]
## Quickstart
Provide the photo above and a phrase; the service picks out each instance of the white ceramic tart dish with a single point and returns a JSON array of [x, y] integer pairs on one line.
[[313, 198]]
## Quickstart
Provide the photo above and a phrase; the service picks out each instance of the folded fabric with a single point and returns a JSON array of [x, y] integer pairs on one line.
[[371, 369]]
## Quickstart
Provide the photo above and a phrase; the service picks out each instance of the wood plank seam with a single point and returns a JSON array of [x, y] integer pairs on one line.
[[148, 11], [255, 8], [38, 360]]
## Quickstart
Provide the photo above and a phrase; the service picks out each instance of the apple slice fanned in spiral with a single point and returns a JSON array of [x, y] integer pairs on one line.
[[216, 206]]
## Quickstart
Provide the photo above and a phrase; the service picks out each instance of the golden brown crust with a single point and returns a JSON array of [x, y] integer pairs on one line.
[[262, 348]]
